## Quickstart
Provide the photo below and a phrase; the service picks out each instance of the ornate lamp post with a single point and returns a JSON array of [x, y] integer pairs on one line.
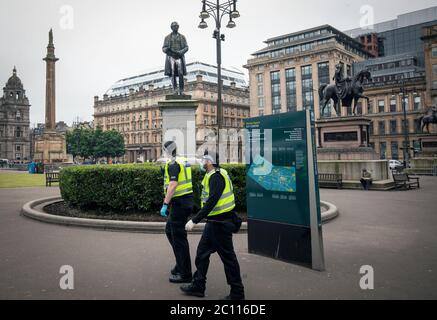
[[218, 10], [404, 93]]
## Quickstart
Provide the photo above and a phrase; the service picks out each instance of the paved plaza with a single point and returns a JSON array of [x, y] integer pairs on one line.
[[394, 232]]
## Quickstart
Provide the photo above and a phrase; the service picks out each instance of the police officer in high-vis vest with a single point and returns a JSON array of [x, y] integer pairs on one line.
[[178, 190], [218, 202]]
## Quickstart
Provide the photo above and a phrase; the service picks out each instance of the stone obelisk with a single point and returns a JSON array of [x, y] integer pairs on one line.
[[50, 59]]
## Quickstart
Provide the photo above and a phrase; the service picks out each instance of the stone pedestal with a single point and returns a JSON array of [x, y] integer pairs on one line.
[[50, 148], [429, 147], [343, 148], [344, 139], [179, 123]]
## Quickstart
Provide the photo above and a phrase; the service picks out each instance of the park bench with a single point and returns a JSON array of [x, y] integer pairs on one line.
[[51, 177], [404, 181], [331, 179]]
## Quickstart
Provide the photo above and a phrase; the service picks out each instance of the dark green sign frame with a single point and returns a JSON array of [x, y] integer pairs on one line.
[[283, 200]]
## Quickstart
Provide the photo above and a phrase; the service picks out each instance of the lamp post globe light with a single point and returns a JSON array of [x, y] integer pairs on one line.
[[219, 10]]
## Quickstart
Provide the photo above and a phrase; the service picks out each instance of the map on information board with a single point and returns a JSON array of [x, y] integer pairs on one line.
[[273, 178]]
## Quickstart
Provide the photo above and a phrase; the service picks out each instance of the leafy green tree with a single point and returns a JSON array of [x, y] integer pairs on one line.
[[94, 144]]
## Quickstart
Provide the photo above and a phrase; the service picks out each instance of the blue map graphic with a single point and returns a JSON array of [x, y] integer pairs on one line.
[[273, 178]]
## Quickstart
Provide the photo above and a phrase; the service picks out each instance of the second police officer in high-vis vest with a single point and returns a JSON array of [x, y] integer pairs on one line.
[[178, 190], [218, 203]]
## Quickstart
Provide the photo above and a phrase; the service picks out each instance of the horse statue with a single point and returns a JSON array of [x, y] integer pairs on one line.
[[425, 121], [345, 90]]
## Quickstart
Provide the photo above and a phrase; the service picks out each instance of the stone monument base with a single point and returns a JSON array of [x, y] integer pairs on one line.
[[343, 148], [179, 123], [344, 138], [50, 147]]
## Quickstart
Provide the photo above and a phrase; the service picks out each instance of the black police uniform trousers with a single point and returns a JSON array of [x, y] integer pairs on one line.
[[181, 208], [217, 237]]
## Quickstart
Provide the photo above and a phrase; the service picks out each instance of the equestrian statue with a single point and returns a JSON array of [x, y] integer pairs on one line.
[[345, 90], [425, 121]]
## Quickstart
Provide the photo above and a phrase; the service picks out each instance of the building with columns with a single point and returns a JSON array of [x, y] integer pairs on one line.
[[131, 107], [286, 74], [429, 38], [285, 77], [14, 122]]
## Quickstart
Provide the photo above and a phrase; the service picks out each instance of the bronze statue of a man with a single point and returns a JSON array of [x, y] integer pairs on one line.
[[175, 47]]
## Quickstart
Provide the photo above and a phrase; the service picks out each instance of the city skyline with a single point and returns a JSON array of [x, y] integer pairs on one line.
[[124, 48]]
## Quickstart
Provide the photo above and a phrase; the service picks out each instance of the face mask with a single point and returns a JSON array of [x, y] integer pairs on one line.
[[203, 166]]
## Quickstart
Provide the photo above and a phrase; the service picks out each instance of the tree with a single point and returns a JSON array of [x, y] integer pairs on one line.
[[108, 144], [95, 144]]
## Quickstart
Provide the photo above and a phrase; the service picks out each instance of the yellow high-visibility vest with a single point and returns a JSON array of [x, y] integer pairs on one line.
[[185, 182], [227, 200]]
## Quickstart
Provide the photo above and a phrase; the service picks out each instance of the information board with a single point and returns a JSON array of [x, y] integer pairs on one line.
[[283, 199]]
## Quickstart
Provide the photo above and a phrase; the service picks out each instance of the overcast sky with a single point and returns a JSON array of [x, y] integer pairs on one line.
[[110, 40]]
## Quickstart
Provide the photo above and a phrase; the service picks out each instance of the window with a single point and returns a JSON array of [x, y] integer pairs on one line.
[[290, 76], [393, 105], [383, 150], [276, 91], [370, 107], [359, 108], [260, 78], [307, 87], [381, 125], [393, 126], [18, 148], [405, 103], [18, 132], [381, 106], [405, 126], [348, 70], [260, 90], [395, 150], [260, 102], [324, 78], [417, 103], [18, 115], [434, 69], [434, 52], [371, 128], [205, 109]]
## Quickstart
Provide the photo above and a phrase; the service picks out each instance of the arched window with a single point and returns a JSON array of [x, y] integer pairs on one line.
[[18, 132]]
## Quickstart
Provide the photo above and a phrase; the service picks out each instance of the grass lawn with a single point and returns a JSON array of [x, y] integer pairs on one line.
[[22, 180]]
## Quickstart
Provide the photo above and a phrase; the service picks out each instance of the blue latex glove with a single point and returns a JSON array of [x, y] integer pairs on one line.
[[164, 210]]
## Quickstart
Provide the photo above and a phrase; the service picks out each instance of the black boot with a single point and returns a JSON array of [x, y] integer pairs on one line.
[[234, 297], [178, 278], [174, 271], [191, 290]]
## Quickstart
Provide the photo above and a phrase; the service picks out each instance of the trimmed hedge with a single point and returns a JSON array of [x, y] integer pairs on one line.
[[127, 188]]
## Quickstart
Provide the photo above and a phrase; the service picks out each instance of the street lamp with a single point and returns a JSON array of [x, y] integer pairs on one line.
[[403, 93], [218, 10]]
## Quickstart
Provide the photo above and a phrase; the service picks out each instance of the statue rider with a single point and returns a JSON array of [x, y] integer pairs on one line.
[[342, 83]]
